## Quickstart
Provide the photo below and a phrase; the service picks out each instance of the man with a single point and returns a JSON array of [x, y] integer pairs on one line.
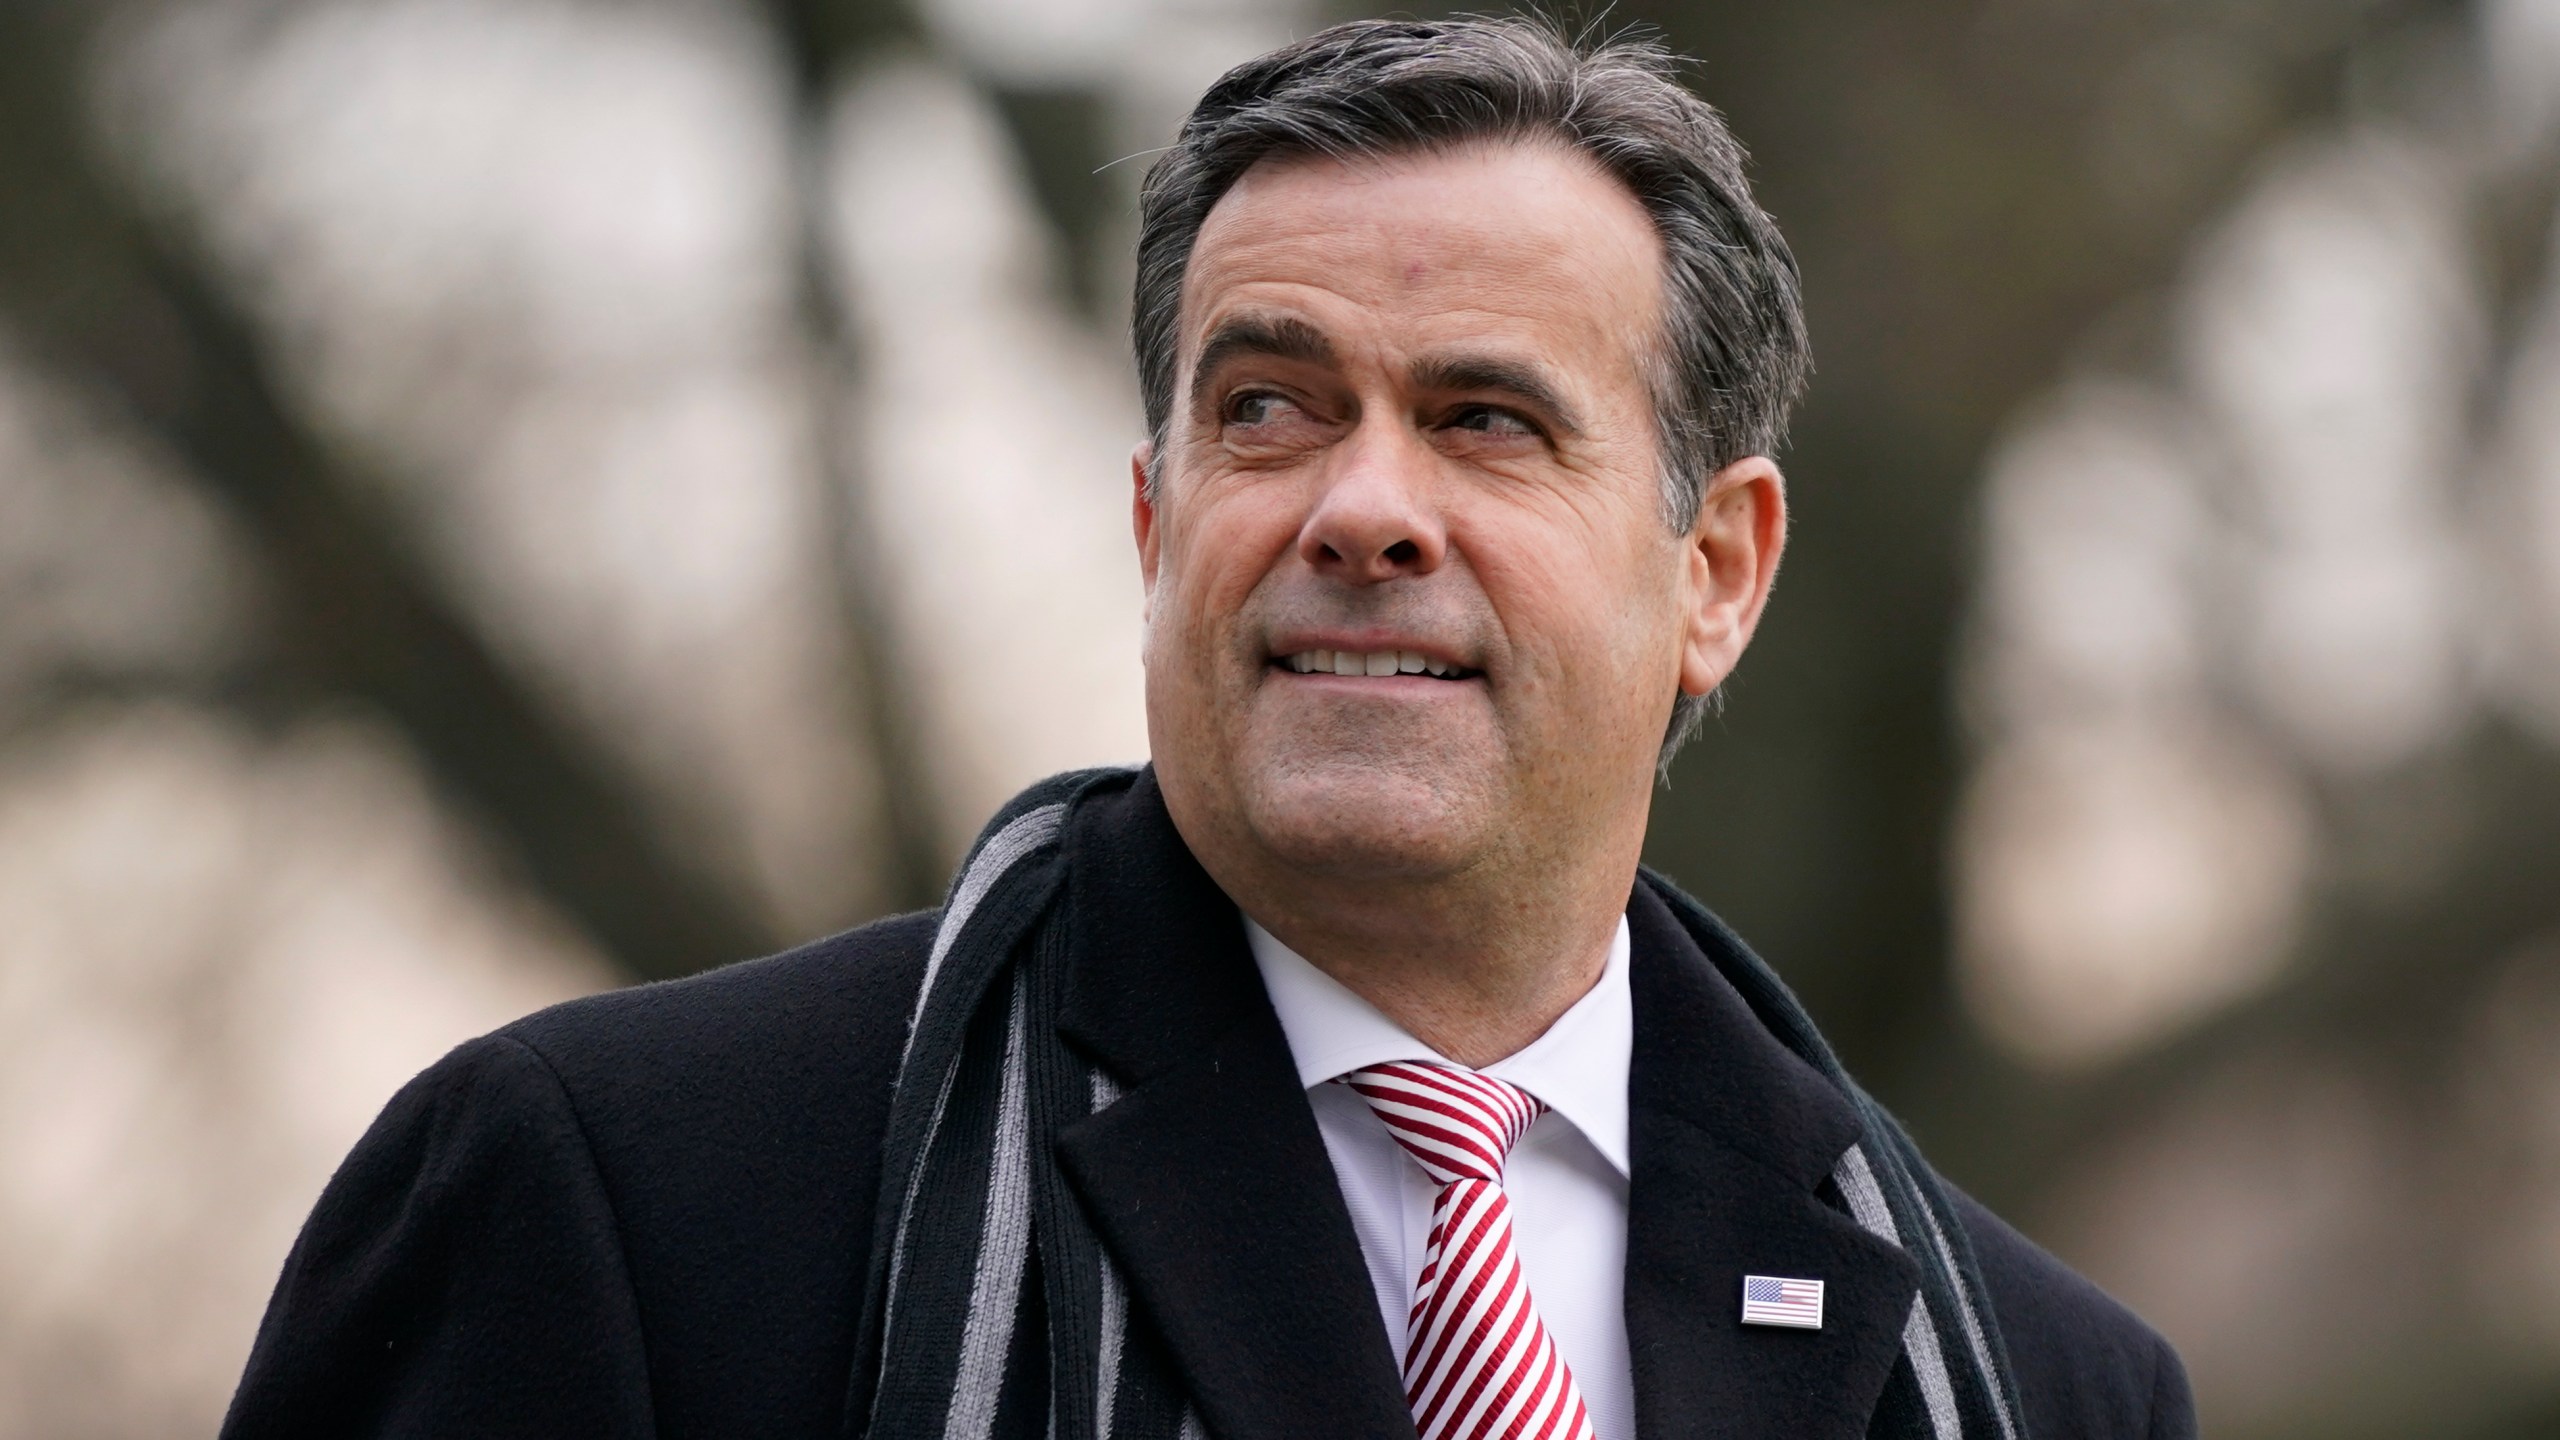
[[1340, 1074]]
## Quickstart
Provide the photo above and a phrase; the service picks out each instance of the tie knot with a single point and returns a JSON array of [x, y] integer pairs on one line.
[[1458, 1124]]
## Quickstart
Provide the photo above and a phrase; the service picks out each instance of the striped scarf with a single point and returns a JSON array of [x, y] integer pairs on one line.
[[991, 1309]]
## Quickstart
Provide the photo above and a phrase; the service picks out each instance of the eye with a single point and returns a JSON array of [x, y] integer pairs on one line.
[[1490, 420], [1257, 407]]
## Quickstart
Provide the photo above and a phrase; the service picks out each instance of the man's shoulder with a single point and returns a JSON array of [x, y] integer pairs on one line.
[[702, 1151], [826, 1018], [2084, 1363]]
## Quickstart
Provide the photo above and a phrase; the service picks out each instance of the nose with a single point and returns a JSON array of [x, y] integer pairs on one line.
[[1374, 520]]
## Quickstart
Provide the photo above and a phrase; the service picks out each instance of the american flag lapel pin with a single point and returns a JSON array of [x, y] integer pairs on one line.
[[1776, 1300]]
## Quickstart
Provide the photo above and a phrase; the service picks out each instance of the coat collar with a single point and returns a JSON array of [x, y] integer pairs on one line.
[[1210, 1184]]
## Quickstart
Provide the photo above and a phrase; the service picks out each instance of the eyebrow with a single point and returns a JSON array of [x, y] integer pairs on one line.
[[1519, 379], [1283, 337]]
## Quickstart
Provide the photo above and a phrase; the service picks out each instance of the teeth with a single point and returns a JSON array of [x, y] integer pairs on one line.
[[1378, 663]]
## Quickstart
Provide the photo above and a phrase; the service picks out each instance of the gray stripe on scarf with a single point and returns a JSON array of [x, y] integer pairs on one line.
[[1857, 1181], [1115, 1305], [1028, 832], [1003, 1248], [1973, 1334]]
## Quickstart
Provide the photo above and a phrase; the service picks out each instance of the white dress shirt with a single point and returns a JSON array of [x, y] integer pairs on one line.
[[1566, 1178]]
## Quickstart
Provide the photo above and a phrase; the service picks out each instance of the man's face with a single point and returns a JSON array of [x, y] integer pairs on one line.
[[1411, 599]]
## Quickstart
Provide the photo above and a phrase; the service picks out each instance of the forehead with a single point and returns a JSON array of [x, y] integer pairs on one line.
[[1527, 241]]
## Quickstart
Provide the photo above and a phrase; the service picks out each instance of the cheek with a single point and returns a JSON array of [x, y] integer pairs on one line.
[[1586, 598], [1220, 542]]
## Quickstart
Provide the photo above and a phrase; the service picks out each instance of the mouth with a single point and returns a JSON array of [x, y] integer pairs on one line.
[[1373, 664]]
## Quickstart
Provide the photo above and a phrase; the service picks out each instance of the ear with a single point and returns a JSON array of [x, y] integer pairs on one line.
[[1142, 517], [1732, 554]]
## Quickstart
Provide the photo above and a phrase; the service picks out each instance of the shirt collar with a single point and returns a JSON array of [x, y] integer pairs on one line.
[[1578, 1067]]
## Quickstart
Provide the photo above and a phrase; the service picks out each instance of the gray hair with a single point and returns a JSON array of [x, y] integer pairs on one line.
[[1733, 354]]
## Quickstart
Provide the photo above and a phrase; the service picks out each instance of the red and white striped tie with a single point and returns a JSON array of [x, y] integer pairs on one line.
[[1478, 1364]]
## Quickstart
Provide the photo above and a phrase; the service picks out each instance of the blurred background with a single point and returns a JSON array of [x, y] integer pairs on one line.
[[503, 498]]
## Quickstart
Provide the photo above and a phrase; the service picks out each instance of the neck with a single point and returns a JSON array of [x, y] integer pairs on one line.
[[1475, 970]]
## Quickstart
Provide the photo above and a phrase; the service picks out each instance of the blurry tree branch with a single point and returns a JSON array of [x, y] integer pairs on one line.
[[116, 304], [823, 40]]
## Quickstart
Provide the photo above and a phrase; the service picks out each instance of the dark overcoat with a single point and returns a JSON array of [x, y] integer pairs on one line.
[[648, 1213]]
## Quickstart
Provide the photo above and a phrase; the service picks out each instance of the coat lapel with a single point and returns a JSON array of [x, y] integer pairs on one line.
[[1731, 1138], [1209, 1184], [1207, 1179]]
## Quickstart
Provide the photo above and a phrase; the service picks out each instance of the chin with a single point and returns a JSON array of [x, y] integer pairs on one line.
[[1367, 815]]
